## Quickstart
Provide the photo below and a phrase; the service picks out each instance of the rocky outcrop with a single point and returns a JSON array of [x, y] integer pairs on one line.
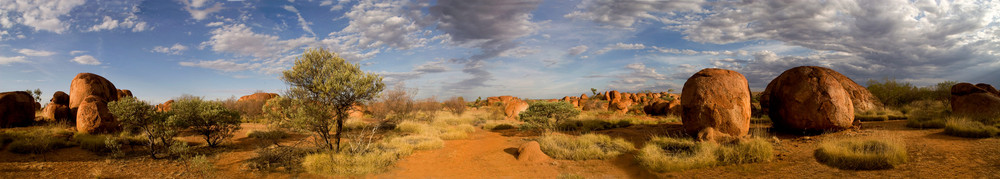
[[85, 85], [976, 101], [17, 109], [808, 98], [718, 100], [258, 96]]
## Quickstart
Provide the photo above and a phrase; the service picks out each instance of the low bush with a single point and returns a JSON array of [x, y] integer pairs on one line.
[[592, 125], [964, 127], [548, 115], [584, 147], [268, 135], [36, 145], [420, 142], [663, 154], [352, 163], [862, 154], [271, 158], [499, 125], [927, 113], [202, 165]]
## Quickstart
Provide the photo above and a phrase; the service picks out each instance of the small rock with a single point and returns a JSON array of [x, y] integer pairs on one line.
[[807, 138]]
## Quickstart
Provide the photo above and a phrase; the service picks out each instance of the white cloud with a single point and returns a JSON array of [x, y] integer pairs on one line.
[[431, 67], [626, 13], [10, 60], [214, 24], [222, 65], [75, 52], [377, 23], [197, 8], [302, 21], [620, 46], [86, 60], [35, 53], [577, 50], [131, 21], [108, 24], [268, 51], [639, 77], [39, 15], [176, 49]]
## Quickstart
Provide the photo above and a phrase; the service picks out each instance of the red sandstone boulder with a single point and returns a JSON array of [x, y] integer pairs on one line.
[[258, 96], [716, 99], [165, 106], [808, 98], [123, 93], [974, 100], [93, 117], [54, 112], [17, 109], [60, 97], [85, 85], [862, 99]]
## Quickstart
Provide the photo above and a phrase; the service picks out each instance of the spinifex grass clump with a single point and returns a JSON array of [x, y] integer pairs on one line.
[[366, 160], [965, 127], [862, 154], [420, 142], [927, 114], [664, 154], [585, 147]]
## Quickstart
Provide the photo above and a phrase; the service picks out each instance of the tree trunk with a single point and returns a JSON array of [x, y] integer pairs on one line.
[[340, 127]]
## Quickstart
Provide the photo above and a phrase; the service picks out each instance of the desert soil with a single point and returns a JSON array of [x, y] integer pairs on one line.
[[489, 154]]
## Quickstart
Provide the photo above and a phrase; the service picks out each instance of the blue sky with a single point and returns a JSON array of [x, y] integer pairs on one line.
[[470, 48]]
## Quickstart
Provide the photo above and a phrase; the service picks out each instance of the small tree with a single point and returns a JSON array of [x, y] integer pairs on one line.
[[299, 115], [548, 115], [393, 105], [208, 118], [593, 91], [322, 78], [137, 115], [456, 105], [37, 94]]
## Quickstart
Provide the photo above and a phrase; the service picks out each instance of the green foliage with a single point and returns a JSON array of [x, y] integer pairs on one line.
[[862, 154], [321, 78], [894, 93], [214, 122], [664, 154], [455, 105], [135, 115], [268, 135], [300, 115], [250, 110], [36, 94], [593, 91], [548, 115], [35, 140], [584, 147], [927, 113], [592, 125], [202, 165]]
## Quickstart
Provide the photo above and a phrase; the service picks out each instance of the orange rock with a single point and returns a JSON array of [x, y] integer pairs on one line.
[[122, 93], [60, 97], [17, 109], [93, 117], [54, 112], [862, 99], [718, 99], [532, 152], [165, 106], [808, 98], [974, 100], [86, 84], [258, 96]]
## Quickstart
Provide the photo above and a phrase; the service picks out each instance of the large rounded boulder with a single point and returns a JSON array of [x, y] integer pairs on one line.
[[716, 99], [808, 98], [93, 116], [862, 99], [17, 109], [85, 85], [974, 100], [55, 112], [60, 97]]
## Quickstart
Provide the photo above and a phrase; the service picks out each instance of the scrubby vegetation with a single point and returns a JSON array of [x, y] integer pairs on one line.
[[420, 142], [158, 127], [363, 160], [209, 119], [584, 147], [547, 115], [455, 105], [927, 113], [287, 157], [967, 127], [665, 154], [894, 93], [862, 153]]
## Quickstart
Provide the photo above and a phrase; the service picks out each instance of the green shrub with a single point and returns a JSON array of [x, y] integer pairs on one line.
[[347, 163], [548, 114], [498, 125], [592, 125], [862, 154], [270, 158], [964, 127], [420, 142], [202, 165], [268, 135], [585, 147], [927, 113], [893, 93], [664, 154], [93, 143], [750, 151], [210, 119], [134, 115]]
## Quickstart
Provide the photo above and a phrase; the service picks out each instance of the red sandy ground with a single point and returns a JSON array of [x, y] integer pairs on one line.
[[490, 155]]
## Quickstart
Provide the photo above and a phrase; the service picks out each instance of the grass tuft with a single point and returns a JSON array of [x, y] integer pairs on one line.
[[964, 127], [289, 158], [585, 147], [420, 142], [353, 163], [664, 154], [862, 154], [750, 151]]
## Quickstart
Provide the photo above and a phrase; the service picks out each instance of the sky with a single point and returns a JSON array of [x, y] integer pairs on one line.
[[161, 49]]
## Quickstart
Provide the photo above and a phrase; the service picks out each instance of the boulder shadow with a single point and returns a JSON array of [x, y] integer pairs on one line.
[[512, 151]]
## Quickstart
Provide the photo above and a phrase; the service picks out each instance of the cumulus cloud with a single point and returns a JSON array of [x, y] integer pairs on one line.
[[620, 46], [222, 65], [867, 39], [199, 10], [176, 49], [491, 26], [10, 60], [626, 13], [636, 77], [378, 23], [39, 15], [241, 40], [577, 50], [86, 60], [35, 53]]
